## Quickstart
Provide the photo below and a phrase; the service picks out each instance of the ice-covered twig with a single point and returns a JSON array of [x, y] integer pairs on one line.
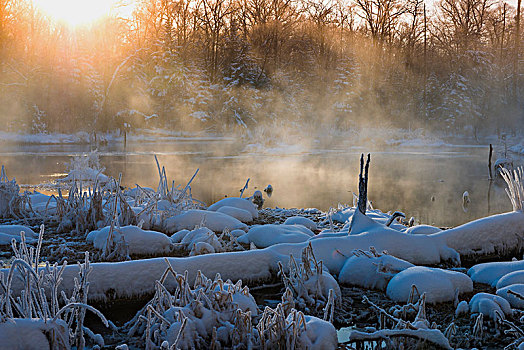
[[432, 336]]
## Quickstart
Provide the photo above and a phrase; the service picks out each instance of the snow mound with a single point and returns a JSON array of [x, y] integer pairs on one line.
[[361, 223], [42, 203], [514, 300], [301, 220], [30, 334], [201, 248], [490, 273], [488, 304], [422, 230], [371, 272], [236, 202], [201, 235], [319, 334], [215, 221], [346, 215], [85, 168], [237, 233], [85, 175], [439, 285], [14, 230], [462, 308], [140, 242], [513, 294], [238, 213], [515, 277], [6, 239], [267, 235], [179, 236], [490, 235]]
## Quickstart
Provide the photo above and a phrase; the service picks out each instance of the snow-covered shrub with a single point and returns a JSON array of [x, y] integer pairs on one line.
[[12, 204], [204, 241], [210, 312], [218, 314], [309, 282], [167, 201], [85, 168], [39, 309], [405, 327], [80, 211], [285, 327]]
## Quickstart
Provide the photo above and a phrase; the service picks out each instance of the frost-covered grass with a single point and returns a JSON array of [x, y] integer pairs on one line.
[[515, 181], [54, 317]]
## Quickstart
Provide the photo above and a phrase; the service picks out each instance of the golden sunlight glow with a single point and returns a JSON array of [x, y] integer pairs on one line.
[[75, 12]]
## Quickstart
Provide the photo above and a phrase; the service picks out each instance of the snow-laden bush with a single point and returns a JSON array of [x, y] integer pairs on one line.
[[55, 320], [154, 207], [405, 327], [12, 204], [204, 241], [312, 286], [218, 314], [85, 168]]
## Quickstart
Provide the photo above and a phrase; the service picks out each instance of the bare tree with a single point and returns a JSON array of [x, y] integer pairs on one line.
[[381, 16]]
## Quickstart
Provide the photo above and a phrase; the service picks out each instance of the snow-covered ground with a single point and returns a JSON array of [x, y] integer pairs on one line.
[[162, 243]]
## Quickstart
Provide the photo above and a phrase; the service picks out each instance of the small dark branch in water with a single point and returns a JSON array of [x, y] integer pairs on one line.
[[395, 215], [244, 188], [363, 184], [489, 161]]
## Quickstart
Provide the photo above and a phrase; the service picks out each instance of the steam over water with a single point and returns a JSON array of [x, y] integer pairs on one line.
[[426, 183]]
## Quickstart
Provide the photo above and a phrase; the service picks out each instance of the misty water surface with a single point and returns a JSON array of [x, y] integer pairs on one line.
[[426, 183]]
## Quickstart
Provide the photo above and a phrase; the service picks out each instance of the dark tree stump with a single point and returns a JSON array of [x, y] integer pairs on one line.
[[363, 184]]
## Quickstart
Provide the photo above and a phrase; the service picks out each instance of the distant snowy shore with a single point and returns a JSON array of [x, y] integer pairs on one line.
[[82, 137], [284, 140]]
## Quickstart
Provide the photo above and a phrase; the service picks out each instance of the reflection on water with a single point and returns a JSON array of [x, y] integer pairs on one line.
[[425, 183]]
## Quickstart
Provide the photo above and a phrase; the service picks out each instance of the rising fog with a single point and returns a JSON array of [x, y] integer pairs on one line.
[[267, 69]]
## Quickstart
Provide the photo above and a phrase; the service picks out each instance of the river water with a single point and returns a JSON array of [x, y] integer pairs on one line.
[[424, 182]]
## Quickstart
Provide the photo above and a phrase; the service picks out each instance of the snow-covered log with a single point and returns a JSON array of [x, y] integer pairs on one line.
[[496, 234]]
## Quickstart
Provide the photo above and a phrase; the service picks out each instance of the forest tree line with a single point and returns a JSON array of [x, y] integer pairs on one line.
[[220, 65]]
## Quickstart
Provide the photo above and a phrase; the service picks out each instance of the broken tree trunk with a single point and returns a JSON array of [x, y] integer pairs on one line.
[[363, 184], [489, 161]]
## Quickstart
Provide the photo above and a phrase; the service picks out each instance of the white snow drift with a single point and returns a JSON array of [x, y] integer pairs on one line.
[[140, 242]]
